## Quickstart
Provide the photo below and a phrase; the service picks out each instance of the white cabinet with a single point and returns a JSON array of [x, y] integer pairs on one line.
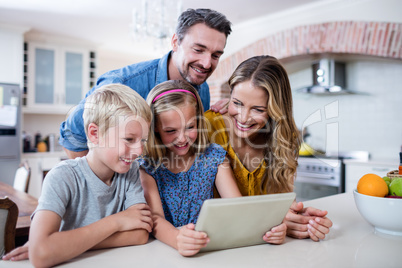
[[355, 170], [40, 164], [11, 53], [57, 77]]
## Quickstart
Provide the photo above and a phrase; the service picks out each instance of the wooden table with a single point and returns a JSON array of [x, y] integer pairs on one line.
[[26, 206]]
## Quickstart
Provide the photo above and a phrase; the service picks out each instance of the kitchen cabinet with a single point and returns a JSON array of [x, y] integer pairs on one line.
[[354, 170], [56, 77]]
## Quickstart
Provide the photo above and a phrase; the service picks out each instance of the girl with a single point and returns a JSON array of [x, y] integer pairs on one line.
[[262, 140], [181, 168]]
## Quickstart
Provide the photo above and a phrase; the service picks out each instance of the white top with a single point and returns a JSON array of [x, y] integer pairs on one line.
[[351, 243]]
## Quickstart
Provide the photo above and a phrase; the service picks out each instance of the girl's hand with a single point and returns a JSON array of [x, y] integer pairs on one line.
[[189, 241], [276, 235]]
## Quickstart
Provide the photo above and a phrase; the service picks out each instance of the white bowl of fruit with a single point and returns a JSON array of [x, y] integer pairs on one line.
[[379, 201]]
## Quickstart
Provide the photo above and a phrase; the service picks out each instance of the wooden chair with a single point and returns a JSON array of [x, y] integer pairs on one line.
[[8, 222], [22, 176]]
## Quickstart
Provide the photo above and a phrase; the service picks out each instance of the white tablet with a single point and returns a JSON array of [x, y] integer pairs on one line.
[[241, 221]]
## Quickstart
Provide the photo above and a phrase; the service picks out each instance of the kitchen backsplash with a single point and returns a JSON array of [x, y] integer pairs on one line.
[[370, 121], [45, 124]]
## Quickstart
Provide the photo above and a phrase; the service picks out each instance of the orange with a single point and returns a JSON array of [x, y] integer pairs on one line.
[[372, 184], [42, 147]]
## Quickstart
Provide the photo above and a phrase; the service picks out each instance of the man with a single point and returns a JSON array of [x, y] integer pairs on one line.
[[197, 45]]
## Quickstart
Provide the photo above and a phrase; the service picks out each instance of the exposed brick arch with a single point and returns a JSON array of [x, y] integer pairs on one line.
[[382, 39]]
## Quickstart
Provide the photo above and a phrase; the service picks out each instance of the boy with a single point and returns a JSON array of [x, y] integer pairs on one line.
[[96, 201]]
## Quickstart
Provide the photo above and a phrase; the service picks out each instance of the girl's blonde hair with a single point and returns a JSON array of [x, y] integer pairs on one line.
[[282, 136], [110, 102], [164, 97]]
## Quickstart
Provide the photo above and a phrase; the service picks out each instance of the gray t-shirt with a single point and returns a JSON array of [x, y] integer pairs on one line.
[[74, 192]]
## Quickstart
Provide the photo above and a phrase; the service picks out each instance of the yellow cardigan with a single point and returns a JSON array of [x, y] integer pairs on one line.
[[248, 182]]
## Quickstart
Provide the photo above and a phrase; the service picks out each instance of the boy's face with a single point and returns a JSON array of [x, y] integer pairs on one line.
[[122, 144]]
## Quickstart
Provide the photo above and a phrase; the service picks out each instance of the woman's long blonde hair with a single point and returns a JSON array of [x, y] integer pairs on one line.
[[282, 147]]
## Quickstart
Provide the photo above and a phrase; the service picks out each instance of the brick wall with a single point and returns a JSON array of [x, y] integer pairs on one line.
[[382, 39]]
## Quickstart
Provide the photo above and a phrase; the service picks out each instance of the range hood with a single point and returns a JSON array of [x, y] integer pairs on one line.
[[329, 78]]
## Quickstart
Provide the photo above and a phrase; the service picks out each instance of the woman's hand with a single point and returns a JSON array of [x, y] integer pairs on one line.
[[189, 241], [276, 235], [307, 222]]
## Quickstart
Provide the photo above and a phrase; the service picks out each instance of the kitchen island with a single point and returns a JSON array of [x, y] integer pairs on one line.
[[352, 242]]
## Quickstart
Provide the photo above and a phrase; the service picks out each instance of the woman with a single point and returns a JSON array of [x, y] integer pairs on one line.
[[262, 141]]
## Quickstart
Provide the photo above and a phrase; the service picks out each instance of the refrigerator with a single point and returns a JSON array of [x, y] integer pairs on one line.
[[10, 131]]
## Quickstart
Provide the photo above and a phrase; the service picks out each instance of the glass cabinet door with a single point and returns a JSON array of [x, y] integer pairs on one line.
[[44, 76], [73, 77], [57, 77]]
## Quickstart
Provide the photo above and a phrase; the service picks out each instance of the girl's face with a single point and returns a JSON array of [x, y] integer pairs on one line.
[[248, 109], [178, 129]]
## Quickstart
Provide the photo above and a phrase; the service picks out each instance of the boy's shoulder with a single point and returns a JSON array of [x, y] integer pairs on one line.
[[68, 164], [67, 169]]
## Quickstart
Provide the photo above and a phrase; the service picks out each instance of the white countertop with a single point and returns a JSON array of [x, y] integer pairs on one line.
[[352, 242], [59, 154], [391, 162]]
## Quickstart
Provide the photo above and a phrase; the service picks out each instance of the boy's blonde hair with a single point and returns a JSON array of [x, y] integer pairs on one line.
[[169, 101], [110, 102]]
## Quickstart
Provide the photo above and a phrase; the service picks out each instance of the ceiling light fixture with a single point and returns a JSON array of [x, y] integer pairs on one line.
[[156, 20]]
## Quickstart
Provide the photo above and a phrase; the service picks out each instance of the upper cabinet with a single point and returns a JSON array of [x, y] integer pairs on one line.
[[56, 77]]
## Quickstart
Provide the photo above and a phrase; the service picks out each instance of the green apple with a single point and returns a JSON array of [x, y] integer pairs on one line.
[[387, 179], [388, 182], [395, 188]]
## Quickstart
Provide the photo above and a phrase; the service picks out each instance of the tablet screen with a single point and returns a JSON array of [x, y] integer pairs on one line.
[[241, 221]]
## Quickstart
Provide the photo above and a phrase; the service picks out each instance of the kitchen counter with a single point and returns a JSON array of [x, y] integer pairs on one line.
[[352, 242], [392, 162], [59, 154]]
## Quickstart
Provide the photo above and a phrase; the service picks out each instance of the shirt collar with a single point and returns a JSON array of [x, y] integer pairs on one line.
[[162, 73]]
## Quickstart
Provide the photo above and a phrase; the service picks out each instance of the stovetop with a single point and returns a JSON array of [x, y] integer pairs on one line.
[[358, 155]]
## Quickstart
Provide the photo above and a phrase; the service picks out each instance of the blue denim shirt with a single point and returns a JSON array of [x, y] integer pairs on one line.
[[142, 77]]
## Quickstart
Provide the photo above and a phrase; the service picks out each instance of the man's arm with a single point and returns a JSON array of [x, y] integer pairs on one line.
[[48, 246], [73, 155], [72, 133]]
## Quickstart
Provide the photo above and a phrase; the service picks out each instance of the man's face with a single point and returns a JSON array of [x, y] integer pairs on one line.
[[197, 55]]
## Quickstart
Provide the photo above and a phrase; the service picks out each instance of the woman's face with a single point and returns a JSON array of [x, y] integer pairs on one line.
[[248, 109]]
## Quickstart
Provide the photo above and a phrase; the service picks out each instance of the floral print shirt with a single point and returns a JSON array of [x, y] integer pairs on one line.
[[183, 193]]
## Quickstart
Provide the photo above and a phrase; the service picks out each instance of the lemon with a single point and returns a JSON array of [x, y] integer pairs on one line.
[[305, 149]]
